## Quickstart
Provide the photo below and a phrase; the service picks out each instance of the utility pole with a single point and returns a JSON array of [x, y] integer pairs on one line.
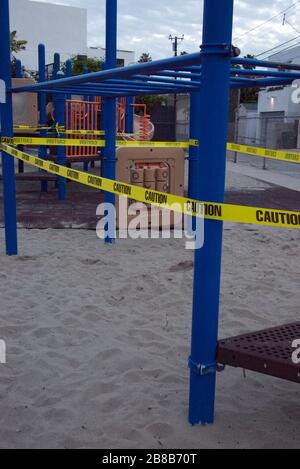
[[175, 40]]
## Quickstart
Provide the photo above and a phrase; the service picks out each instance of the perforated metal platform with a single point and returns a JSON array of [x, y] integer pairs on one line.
[[268, 351]]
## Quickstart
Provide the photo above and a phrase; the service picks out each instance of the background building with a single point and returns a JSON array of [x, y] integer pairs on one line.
[[124, 57], [275, 123], [61, 28]]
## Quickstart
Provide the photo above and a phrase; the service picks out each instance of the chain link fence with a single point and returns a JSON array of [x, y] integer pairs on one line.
[[268, 130], [276, 131]]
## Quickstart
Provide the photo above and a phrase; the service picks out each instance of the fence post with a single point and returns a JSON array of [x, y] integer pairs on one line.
[[8, 162], [237, 123]]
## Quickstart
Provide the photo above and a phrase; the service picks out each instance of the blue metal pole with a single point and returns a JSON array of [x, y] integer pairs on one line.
[[68, 68], [86, 99], [59, 111], [109, 160], [69, 72], [56, 65], [60, 117], [8, 167], [18, 68], [212, 133], [42, 106], [129, 115]]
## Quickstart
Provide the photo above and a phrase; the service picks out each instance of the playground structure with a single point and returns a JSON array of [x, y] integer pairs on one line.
[[82, 115], [208, 76]]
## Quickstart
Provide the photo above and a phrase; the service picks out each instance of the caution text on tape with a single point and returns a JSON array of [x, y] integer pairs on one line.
[[209, 210], [280, 155], [66, 142], [74, 142]]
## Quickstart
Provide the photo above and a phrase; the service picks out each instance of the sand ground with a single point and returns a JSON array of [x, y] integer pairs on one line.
[[98, 339]]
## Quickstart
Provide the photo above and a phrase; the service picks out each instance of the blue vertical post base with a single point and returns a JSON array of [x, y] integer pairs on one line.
[[9, 201], [202, 406]]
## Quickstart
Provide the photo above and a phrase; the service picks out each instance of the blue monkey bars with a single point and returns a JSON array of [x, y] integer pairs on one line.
[[208, 76]]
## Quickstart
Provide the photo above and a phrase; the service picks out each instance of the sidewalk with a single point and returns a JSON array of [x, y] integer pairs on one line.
[[272, 177]]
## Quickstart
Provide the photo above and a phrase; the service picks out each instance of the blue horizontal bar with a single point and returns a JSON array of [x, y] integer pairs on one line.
[[120, 87], [266, 73], [121, 72], [151, 82], [179, 75], [264, 63], [263, 83]]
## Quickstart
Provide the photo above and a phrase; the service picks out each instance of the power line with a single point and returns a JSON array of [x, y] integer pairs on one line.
[[285, 49], [290, 24], [268, 21], [276, 47]]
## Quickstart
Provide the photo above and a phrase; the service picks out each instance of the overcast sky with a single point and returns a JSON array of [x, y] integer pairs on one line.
[[144, 25]]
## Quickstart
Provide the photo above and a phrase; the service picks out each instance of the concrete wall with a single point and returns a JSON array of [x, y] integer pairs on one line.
[[61, 28], [278, 101]]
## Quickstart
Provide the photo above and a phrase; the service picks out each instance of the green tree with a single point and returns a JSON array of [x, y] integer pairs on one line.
[[81, 62], [145, 57], [16, 45], [249, 95], [151, 101], [248, 66]]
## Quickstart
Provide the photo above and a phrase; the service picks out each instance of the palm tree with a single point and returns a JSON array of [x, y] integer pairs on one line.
[[145, 57], [15, 44]]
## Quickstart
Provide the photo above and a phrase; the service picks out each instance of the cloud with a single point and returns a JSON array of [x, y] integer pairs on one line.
[[145, 25]]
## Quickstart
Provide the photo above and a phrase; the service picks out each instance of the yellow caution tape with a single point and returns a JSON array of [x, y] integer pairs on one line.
[[209, 210], [147, 144], [193, 142], [245, 149], [66, 142], [74, 142], [265, 152], [61, 129], [29, 127], [82, 132]]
